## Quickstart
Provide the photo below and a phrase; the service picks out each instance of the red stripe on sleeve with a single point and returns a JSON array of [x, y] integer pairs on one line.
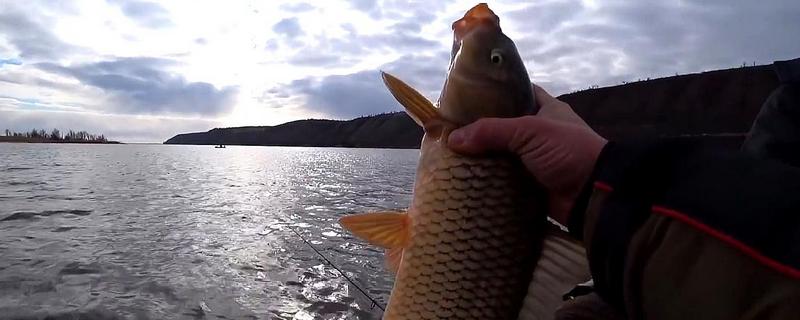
[[603, 186], [747, 250]]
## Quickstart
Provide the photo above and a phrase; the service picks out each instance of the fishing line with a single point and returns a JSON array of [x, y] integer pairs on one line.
[[375, 303]]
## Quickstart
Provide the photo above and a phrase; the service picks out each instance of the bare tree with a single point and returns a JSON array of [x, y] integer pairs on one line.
[[55, 135]]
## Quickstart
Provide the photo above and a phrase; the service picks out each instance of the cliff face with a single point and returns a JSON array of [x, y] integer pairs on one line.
[[719, 105]]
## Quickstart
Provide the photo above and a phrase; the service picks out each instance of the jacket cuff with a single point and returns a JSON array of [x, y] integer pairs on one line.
[[625, 166], [577, 215]]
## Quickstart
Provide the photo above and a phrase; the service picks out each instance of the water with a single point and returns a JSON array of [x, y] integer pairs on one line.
[[191, 232]]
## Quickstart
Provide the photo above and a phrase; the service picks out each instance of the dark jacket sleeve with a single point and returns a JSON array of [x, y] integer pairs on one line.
[[674, 230]]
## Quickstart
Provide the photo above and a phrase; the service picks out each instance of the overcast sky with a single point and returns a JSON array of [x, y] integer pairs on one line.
[[141, 71]]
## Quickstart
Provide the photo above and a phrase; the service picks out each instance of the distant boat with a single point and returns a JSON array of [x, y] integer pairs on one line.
[[220, 146]]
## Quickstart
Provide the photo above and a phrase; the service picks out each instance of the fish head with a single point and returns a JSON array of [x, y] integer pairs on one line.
[[486, 77]]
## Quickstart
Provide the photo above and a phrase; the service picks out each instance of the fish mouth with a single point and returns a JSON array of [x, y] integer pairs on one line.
[[479, 15]]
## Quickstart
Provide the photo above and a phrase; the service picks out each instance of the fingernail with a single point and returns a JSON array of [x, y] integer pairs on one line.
[[456, 138]]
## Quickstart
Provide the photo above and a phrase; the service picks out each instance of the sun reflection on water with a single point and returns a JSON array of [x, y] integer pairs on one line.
[[182, 231]]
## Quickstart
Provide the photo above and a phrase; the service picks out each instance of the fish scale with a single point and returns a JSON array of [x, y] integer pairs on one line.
[[464, 257]]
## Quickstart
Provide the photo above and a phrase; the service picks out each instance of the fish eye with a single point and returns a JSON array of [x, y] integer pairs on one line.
[[497, 57]]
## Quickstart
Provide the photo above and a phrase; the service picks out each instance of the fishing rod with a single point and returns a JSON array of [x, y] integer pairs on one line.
[[375, 303]]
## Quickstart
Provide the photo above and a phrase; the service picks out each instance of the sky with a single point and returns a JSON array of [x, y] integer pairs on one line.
[[142, 71]]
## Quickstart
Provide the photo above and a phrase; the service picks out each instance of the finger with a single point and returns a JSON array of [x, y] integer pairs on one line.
[[555, 109], [542, 96], [494, 134]]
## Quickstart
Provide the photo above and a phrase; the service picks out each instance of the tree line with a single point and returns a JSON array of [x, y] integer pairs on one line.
[[57, 135]]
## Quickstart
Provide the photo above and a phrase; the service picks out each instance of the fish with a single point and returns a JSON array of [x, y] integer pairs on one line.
[[470, 242]]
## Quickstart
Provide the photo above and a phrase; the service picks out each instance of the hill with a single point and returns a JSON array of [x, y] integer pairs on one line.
[[718, 106], [392, 130]]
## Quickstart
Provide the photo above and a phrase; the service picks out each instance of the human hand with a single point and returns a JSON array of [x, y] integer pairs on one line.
[[556, 146], [552, 108]]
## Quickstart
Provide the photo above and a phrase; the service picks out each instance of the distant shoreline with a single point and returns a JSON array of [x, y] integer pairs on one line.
[[717, 107], [41, 140]]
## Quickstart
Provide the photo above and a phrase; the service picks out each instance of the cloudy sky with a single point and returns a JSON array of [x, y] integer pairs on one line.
[[141, 71]]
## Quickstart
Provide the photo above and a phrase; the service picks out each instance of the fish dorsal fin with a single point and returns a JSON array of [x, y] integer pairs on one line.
[[388, 229], [417, 106], [393, 258]]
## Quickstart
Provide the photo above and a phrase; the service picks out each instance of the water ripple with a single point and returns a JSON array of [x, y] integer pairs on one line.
[[186, 232], [26, 215]]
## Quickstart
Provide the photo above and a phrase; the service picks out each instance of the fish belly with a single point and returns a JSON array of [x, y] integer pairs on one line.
[[475, 236]]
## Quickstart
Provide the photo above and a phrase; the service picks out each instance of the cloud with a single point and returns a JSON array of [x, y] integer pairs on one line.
[[68, 51], [345, 96], [570, 46], [15, 104], [289, 27], [426, 73], [364, 5], [348, 50], [317, 58], [31, 38], [398, 41], [29, 79], [125, 128], [362, 93], [11, 61], [297, 7], [141, 86], [542, 17], [407, 27], [370, 7], [402, 35], [145, 13]]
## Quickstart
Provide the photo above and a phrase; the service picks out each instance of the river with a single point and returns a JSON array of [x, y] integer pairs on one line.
[[192, 232]]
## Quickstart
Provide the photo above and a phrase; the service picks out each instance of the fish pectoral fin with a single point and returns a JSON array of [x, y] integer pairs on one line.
[[417, 106], [393, 258], [388, 229]]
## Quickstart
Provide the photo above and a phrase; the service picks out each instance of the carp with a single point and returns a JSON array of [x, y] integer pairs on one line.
[[467, 246]]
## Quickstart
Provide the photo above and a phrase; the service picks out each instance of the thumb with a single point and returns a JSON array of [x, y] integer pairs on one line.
[[542, 96], [495, 134]]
